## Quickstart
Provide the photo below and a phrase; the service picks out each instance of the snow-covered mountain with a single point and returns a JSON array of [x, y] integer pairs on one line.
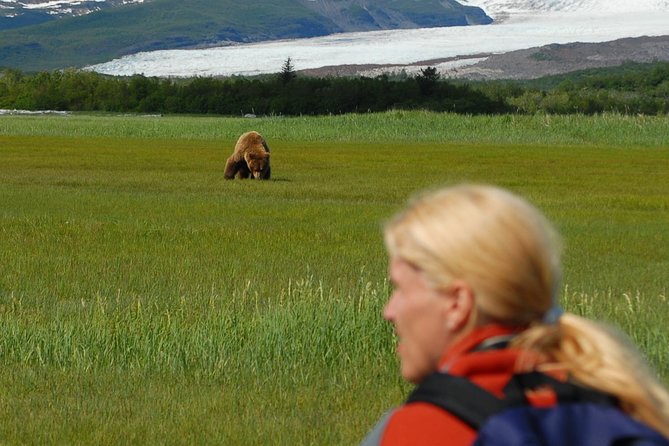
[[14, 8], [520, 24], [502, 10]]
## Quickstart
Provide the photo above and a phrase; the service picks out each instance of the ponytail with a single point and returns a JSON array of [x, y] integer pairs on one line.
[[602, 358]]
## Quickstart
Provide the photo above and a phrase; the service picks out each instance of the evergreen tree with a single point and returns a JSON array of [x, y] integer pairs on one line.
[[427, 80], [287, 72]]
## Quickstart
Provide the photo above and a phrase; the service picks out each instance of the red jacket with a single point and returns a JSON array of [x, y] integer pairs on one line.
[[424, 424]]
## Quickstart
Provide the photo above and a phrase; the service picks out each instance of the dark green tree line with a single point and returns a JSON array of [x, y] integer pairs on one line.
[[637, 89]]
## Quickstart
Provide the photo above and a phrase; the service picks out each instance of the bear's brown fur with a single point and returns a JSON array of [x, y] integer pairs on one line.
[[250, 158]]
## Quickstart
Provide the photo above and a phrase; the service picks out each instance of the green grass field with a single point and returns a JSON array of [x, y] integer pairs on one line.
[[143, 299]]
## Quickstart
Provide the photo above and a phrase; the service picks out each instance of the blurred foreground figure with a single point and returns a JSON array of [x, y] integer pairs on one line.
[[476, 272]]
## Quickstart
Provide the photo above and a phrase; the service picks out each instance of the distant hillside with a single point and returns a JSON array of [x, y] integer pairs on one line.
[[556, 59], [20, 13], [166, 24], [530, 63]]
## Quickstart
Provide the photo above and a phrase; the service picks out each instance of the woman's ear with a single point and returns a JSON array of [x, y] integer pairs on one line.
[[461, 302]]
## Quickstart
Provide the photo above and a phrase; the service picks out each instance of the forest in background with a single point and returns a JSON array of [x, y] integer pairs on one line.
[[632, 88]]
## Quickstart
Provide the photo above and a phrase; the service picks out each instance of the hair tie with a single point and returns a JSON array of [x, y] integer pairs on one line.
[[552, 316]]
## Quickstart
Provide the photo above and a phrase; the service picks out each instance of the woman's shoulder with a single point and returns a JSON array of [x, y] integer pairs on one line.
[[420, 423]]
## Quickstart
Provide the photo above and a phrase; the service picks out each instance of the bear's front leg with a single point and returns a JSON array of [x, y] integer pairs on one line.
[[231, 168], [243, 172]]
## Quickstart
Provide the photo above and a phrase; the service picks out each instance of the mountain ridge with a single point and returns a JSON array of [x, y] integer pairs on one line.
[[21, 13], [170, 24]]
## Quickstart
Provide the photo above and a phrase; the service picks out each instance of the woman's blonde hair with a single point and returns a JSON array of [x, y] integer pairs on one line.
[[508, 253]]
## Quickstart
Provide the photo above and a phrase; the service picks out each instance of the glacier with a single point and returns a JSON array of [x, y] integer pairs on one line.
[[519, 24]]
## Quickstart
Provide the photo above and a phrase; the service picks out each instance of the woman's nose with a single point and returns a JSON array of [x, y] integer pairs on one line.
[[389, 308]]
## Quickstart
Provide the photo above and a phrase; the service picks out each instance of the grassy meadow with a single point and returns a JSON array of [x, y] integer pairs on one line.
[[144, 299]]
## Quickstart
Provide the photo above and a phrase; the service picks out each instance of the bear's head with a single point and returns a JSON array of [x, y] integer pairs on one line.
[[258, 164]]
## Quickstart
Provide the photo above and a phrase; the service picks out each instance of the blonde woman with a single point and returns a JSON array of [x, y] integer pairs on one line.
[[475, 271]]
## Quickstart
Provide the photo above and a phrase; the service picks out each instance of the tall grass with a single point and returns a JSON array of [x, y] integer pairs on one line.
[[144, 299], [393, 126], [210, 369], [208, 334]]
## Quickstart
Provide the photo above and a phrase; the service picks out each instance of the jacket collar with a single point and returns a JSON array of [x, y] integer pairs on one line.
[[489, 337]]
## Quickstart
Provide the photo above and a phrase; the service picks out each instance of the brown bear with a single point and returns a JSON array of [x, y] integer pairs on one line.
[[250, 158]]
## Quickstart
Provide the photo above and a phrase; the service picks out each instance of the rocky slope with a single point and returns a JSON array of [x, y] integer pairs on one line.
[[369, 15], [528, 63], [557, 59]]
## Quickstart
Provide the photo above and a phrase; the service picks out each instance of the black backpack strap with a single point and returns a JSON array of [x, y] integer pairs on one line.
[[474, 405], [458, 396]]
